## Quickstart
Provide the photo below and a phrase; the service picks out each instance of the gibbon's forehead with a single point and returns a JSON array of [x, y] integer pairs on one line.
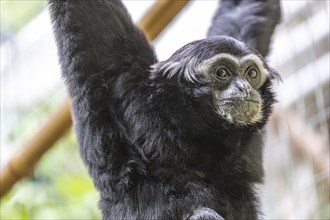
[[224, 58]]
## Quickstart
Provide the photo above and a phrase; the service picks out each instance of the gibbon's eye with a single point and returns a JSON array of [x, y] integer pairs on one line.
[[253, 77], [222, 74], [252, 74]]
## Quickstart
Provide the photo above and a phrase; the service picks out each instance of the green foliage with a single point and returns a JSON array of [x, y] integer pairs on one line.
[[16, 13], [60, 187]]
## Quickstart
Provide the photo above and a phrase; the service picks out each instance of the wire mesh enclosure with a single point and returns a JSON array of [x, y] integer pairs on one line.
[[296, 154], [297, 150]]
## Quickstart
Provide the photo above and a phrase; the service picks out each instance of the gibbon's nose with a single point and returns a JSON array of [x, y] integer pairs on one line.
[[244, 87]]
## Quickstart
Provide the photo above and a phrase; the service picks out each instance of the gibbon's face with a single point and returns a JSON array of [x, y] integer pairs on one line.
[[236, 82], [235, 72]]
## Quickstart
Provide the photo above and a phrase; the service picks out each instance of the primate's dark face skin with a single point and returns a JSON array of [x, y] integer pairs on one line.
[[235, 86]]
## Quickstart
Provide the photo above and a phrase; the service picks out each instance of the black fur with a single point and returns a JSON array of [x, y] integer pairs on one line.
[[153, 145]]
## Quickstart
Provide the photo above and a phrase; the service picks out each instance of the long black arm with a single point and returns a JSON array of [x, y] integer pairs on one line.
[[94, 35], [119, 118], [100, 49], [250, 21]]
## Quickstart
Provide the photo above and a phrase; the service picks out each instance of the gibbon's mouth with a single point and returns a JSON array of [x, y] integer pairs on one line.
[[243, 99], [239, 110]]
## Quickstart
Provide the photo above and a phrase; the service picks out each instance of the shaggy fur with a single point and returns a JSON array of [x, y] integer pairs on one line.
[[147, 130]]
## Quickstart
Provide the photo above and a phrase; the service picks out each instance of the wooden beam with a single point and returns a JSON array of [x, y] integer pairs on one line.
[[160, 15], [23, 162]]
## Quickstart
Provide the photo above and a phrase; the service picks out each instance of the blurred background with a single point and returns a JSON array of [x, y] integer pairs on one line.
[[296, 155]]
